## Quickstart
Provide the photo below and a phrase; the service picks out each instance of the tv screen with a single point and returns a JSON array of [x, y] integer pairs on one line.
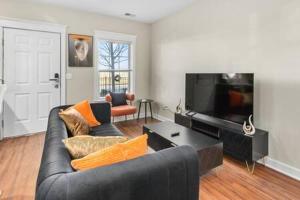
[[225, 96]]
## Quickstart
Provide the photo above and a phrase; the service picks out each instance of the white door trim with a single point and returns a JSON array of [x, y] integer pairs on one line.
[[1, 77], [46, 27], [36, 26], [106, 35]]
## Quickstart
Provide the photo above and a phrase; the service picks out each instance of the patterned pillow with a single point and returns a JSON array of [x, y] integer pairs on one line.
[[83, 145], [74, 122]]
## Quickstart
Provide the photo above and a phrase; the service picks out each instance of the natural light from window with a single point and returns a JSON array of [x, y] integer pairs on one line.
[[114, 66]]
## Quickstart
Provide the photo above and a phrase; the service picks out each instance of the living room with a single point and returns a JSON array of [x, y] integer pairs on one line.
[[162, 56]]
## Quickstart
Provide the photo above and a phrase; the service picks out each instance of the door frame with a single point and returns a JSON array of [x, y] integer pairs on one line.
[[35, 26]]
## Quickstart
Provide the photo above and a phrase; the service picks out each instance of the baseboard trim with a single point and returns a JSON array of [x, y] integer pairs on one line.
[[142, 115], [25, 135], [281, 167], [162, 118], [276, 165], [129, 117]]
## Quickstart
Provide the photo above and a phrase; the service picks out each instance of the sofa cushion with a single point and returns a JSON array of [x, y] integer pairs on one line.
[[84, 145], [118, 98], [123, 110], [105, 130]]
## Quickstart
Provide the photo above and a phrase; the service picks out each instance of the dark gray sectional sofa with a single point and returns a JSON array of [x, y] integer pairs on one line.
[[171, 174]]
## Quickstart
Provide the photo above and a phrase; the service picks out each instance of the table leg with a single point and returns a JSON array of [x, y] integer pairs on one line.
[[146, 113], [248, 167], [150, 110], [139, 111]]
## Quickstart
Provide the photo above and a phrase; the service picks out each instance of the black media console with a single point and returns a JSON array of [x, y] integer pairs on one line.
[[235, 143]]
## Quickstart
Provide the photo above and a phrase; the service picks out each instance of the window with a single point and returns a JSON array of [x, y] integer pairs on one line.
[[114, 66]]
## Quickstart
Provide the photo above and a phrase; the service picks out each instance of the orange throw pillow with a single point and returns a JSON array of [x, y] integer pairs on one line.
[[119, 152], [85, 110]]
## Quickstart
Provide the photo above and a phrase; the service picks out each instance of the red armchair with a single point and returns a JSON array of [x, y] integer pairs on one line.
[[122, 110]]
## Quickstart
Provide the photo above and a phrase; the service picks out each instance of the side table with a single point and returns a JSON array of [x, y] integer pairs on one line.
[[145, 101]]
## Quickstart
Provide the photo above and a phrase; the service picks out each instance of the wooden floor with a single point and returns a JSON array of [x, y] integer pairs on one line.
[[20, 157]]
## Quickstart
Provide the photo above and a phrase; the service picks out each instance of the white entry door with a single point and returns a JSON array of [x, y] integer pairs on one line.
[[32, 75]]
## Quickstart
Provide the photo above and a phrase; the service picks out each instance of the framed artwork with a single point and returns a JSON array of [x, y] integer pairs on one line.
[[80, 50]]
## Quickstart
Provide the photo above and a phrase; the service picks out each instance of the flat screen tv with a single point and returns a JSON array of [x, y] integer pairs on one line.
[[225, 96]]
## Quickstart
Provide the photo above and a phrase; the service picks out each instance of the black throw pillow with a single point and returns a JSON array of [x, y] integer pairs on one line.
[[118, 98]]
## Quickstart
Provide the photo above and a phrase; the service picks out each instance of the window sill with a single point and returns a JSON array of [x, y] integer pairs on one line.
[[99, 99]]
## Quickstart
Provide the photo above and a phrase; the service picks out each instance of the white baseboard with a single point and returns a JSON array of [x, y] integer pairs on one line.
[[142, 115], [162, 118], [269, 162], [281, 167], [130, 117]]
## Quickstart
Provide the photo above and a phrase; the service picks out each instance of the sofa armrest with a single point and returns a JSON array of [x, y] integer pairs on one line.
[[130, 97], [108, 98], [171, 174]]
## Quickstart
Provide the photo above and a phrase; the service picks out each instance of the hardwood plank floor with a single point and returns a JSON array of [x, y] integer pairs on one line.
[[232, 180], [19, 164], [20, 158]]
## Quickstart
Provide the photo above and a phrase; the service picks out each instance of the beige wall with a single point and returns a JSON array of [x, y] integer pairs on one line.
[[236, 36], [209, 36], [81, 85]]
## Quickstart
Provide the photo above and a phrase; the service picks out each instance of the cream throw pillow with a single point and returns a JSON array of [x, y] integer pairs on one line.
[[83, 145]]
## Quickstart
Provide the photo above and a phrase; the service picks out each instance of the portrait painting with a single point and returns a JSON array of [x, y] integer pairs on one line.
[[80, 50]]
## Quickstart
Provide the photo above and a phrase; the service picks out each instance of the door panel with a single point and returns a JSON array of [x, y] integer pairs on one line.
[[23, 60], [22, 106], [44, 103], [31, 59], [44, 68]]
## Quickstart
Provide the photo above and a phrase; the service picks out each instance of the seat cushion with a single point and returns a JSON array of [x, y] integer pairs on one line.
[[123, 110], [105, 130]]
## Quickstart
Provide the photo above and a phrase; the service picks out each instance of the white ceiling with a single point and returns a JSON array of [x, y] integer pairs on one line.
[[145, 10]]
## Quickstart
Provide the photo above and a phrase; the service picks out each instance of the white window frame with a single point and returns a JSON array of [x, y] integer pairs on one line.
[[118, 37]]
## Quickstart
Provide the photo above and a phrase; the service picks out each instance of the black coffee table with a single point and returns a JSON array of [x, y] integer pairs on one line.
[[210, 150]]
